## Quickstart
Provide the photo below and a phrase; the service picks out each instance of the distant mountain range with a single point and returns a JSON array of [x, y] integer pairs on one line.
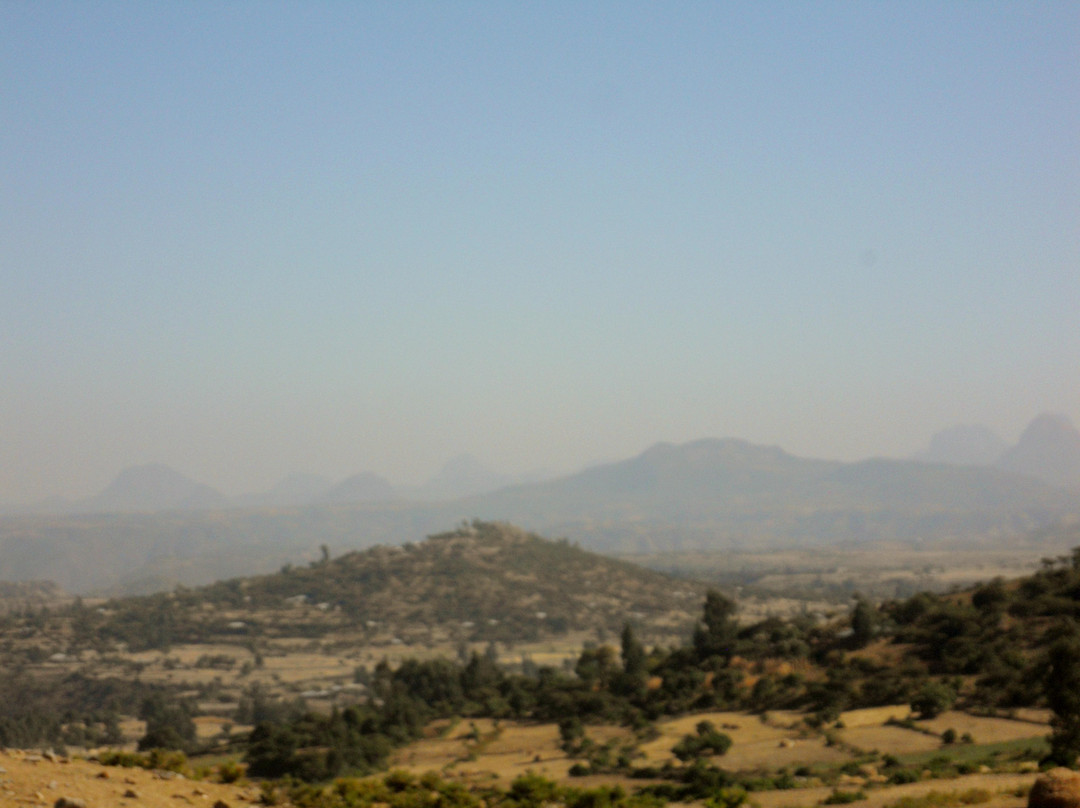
[[712, 494], [156, 487], [1048, 450]]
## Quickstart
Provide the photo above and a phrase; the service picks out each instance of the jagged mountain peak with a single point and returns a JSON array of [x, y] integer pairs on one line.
[[1049, 449], [964, 445], [363, 487], [154, 487]]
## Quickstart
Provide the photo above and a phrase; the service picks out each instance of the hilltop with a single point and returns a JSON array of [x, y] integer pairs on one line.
[[309, 629], [487, 581]]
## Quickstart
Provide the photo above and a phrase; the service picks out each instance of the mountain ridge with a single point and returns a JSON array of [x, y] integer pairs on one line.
[[1049, 449], [709, 494]]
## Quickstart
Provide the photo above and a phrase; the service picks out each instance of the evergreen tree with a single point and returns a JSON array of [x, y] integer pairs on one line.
[[717, 633], [633, 653], [864, 620], [1063, 695]]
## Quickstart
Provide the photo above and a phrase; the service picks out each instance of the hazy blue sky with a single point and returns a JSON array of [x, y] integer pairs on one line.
[[251, 238]]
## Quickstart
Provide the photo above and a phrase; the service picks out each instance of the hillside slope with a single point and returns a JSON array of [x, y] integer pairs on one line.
[[493, 580], [483, 582]]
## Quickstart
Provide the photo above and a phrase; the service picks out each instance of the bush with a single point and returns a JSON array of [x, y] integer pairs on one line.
[[727, 798], [902, 776], [163, 759], [932, 699], [844, 797], [231, 771], [707, 741]]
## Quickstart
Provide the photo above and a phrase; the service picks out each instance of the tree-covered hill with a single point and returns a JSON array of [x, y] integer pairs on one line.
[[481, 582], [505, 581]]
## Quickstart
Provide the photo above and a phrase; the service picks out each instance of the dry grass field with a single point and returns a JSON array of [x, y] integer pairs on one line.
[[755, 744], [494, 753], [33, 780], [501, 751], [874, 716], [984, 729], [891, 740], [1003, 789]]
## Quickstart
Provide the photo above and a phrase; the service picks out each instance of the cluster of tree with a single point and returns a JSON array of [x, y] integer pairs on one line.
[[71, 710], [634, 686], [399, 789], [169, 723], [951, 637]]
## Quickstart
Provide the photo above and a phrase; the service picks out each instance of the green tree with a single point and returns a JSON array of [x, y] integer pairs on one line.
[[571, 735], [716, 634], [633, 653], [168, 724], [707, 741], [1063, 695], [864, 621], [932, 699], [596, 666]]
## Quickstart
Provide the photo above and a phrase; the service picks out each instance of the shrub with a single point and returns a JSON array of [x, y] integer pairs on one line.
[[230, 771], [727, 798], [902, 776], [932, 699], [844, 797]]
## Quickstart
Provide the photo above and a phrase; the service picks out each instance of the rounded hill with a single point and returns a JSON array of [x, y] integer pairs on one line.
[[495, 581]]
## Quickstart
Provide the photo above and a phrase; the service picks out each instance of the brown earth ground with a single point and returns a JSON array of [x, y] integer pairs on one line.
[[29, 779]]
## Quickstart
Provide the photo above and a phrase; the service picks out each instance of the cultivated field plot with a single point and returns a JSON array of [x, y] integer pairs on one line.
[[892, 740], [493, 751], [874, 716], [1036, 715], [1002, 787], [771, 755], [489, 751], [755, 744], [984, 729]]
